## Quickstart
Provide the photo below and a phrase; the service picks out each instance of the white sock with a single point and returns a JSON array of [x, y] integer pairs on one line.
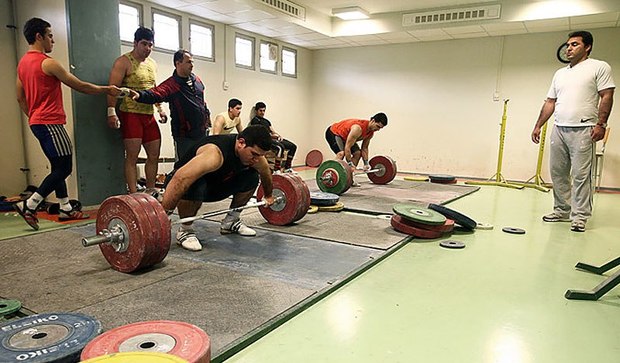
[[34, 201], [232, 217], [64, 204]]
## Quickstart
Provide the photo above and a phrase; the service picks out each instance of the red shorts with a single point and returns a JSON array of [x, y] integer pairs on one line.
[[139, 126]]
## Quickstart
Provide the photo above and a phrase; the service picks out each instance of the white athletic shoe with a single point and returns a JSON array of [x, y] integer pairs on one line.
[[237, 227], [188, 240]]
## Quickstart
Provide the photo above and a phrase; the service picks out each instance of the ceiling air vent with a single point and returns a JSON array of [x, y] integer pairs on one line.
[[452, 15], [286, 7]]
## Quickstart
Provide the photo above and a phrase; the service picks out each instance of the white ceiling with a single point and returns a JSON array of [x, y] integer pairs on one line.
[[319, 30]]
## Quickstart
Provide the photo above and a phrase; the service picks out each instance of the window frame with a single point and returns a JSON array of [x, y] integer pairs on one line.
[[204, 25], [140, 9], [253, 57], [179, 20], [275, 62], [294, 51]]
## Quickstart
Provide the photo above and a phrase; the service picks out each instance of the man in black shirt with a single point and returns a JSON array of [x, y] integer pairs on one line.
[[279, 144], [213, 169]]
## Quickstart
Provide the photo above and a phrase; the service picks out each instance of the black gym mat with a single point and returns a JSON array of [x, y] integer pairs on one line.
[[230, 288]]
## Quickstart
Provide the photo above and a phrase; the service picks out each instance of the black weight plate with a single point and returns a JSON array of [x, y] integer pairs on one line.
[[323, 198], [439, 178], [449, 243], [459, 218], [513, 230], [51, 337]]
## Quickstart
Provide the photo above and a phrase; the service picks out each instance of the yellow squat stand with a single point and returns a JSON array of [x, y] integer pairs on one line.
[[537, 181], [498, 179]]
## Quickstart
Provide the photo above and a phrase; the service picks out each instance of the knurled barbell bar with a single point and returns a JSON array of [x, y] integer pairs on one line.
[[133, 230], [335, 176]]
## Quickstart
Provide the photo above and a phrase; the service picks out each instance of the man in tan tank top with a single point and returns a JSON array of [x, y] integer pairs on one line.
[[137, 71]]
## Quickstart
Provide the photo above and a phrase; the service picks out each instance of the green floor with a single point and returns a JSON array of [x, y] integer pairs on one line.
[[501, 299]]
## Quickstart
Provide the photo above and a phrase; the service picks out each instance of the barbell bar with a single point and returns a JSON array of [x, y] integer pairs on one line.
[[115, 233], [336, 176]]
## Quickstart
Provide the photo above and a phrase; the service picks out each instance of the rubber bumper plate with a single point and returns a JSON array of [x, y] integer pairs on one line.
[[51, 337], [419, 214]]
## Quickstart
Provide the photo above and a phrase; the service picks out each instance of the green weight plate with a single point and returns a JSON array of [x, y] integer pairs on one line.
[[419, 214], [332, 177], [9, 306]]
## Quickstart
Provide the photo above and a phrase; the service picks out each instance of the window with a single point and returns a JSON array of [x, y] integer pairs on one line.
[[201, 40], [289, 62], [128, 20], [166, 28], [244, 51], [268, 57]]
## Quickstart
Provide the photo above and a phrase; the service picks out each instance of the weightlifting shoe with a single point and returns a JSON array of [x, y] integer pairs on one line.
[[188, 240], [72, 215], [555, 217], [29, 215], [578, 226], [237, 227]]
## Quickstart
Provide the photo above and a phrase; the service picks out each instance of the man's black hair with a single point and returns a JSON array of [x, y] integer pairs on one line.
[[380, 118], [33, 27], [258, 135]]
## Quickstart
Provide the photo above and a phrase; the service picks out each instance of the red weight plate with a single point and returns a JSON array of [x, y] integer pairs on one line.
[[305, 192], [160, 223], [397, 223], [299, 193], [314, 158], [387, 168], [181, 339], [138, 230], [153, 236], [448, 225], [284, 212]]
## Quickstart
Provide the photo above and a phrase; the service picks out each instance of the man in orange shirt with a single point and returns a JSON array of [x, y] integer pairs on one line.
[[343, 136], [40, 97]]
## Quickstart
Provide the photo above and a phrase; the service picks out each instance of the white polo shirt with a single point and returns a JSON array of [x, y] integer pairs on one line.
[[576, 92]]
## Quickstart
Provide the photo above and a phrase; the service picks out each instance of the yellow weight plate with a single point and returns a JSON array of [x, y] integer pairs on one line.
[[416, 178], [136, 357], [332, 208], [313, 209]]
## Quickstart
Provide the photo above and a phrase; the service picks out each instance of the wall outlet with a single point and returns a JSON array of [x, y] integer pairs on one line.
[[225, 86], [496, 96]]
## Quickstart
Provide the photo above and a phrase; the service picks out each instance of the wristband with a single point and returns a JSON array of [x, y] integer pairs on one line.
[[111, 111]]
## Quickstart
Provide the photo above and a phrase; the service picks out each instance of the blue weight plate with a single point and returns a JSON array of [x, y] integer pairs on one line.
[[323, 198], [50, 337]]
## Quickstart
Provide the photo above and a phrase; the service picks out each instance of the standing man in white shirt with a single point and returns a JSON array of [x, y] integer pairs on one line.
[[580, 98]]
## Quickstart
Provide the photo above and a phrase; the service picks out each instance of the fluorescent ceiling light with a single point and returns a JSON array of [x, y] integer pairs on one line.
[[350, 13]]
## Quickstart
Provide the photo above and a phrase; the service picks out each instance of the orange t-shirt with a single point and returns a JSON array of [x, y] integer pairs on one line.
[[43, 94], [343, 128]]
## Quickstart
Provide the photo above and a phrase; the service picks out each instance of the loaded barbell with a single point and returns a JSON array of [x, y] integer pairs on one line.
[[133, 230], [335, 176]]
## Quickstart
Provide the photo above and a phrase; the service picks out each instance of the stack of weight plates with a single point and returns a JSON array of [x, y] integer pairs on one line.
[[442, 179], [420, 222], [325, 202], [180, 339]]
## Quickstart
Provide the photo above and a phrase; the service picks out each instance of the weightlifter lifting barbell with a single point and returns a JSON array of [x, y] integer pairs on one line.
[[133, 230]]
